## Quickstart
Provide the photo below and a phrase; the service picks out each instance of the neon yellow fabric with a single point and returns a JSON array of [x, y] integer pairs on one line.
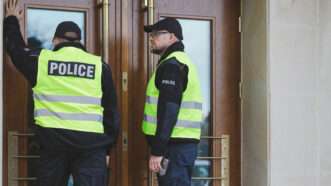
[[190, 113], [70, 99]]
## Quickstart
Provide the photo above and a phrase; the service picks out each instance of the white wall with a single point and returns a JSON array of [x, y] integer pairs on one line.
[[297, 61], [324, 93], [294, 62], [254, 97], [300, 86]]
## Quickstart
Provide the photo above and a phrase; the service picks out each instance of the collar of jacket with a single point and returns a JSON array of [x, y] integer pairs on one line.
[[69, 44], [178, 46]]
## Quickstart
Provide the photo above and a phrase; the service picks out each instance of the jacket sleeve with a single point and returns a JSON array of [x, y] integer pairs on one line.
[[22, 57], [171, 81], [111, 118]]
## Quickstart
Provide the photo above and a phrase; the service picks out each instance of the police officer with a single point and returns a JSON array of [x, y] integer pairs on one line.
[[74, 104], [173, 106]]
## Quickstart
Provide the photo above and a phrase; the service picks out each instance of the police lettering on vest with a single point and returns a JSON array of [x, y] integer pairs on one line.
[[74, 69]]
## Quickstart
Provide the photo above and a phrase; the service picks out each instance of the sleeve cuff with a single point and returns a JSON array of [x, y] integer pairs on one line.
[[157, 152], [159, 147], [11, 19]]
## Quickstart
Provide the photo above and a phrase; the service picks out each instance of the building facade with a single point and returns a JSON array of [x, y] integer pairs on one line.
[[264, 66]]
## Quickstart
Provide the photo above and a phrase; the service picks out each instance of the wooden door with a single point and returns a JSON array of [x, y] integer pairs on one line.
[[212, 39], [38, 26]]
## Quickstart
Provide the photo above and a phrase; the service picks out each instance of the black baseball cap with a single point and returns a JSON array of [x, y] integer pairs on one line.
[[169, 24], [68, 30]]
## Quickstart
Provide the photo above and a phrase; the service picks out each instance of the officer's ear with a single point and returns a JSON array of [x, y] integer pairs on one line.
[[173, 37], [55, 41], [58, 40]]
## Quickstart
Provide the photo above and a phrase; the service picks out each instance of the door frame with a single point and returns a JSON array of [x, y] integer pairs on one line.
[[1, 90]]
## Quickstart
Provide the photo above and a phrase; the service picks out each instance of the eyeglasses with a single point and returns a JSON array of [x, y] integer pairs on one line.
[[158, 33]]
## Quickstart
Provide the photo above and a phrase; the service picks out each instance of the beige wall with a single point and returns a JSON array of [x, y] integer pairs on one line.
[[254, 94]]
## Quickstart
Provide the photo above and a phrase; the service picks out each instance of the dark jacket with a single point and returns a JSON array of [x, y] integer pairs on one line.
[[170, 97], [26, 61]]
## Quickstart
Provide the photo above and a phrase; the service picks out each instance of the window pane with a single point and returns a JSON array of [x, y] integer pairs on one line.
[[41, 25], [197, 41], [202, 169]]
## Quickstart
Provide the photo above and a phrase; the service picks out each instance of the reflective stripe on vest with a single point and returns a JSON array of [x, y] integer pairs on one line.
[[189, 119], [68, 116], [180, 123], [184, 104], [68, 91], [69, 99]]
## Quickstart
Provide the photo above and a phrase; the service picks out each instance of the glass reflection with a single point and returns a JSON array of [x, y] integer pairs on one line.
[[197, 41], [41, 25]]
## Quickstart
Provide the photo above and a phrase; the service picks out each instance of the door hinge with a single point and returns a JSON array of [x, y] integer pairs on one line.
[[125, 141], [125, 81], [240, 90], [239, 22]]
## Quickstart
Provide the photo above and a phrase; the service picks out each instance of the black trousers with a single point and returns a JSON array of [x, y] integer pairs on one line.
[[88, 167]]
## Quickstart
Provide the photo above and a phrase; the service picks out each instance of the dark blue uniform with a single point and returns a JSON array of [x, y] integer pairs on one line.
[[171, 81]]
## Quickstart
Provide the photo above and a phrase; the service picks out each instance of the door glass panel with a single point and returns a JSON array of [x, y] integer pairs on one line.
[[197, 41], [41, 25]]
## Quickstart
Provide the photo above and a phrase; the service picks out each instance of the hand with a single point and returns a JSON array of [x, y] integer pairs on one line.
[[13, 10], [155, 163]]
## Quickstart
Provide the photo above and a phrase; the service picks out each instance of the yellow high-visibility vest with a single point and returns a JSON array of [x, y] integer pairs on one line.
[[190, 113], [68, 91]]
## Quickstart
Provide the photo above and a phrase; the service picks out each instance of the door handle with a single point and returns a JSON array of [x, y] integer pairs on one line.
[[150, 9], [105, 29], [149, 5]]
